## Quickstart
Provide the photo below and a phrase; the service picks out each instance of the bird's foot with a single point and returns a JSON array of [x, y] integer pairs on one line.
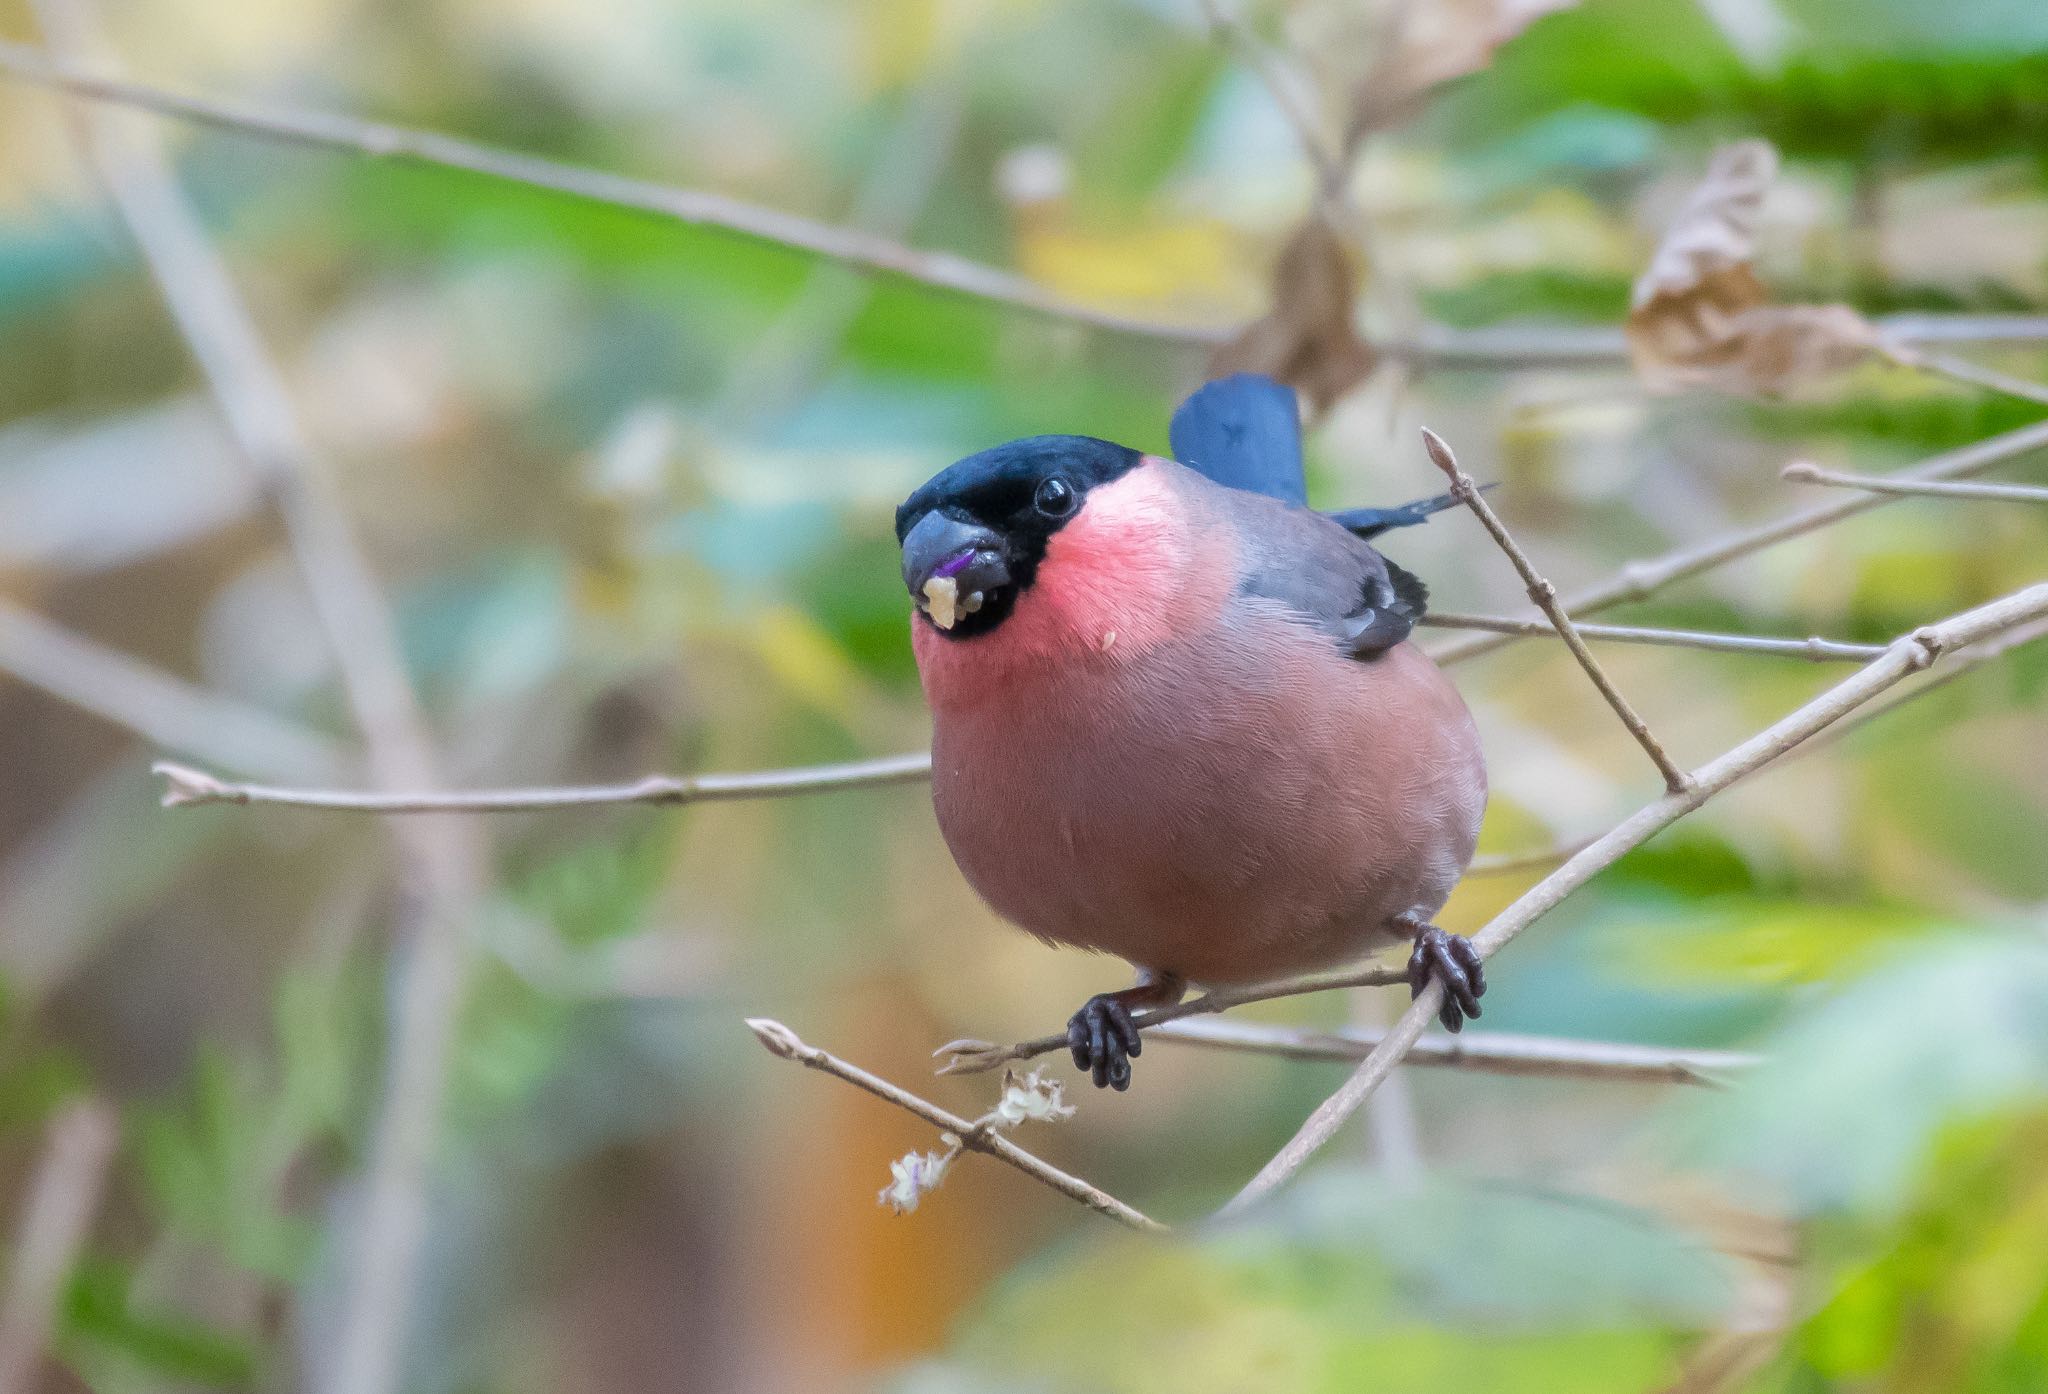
[[1103, 1035], [1452, 961], [1104, 1039]]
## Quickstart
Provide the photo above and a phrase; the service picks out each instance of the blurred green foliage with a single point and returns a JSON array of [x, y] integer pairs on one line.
[[631, 486]]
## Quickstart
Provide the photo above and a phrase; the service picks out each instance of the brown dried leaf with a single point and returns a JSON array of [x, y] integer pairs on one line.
[[1306, 340], [1701, 318]]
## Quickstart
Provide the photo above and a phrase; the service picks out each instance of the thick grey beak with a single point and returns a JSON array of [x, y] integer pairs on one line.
[[968, 554]]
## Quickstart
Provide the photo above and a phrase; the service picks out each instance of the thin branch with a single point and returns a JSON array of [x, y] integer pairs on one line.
[[967, 1057], [1963, 370], [1960, 666], [186, 786], [1638, 580], [1816, 649], [164, 710], [55, 1223], [782, 1041], [1488, 1052], [1906, 656], [691, 207], [1804, 473], [1494, 347], [1964, 329], [1330, 166], [1964, 663], [1545, 596], [445, 860]]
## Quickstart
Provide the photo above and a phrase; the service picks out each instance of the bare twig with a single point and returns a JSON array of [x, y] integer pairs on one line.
[[966, 1057], [1968, 661], [1491, 1052], [1803, 473], [1960, 666], [186, 786], [1330, 166], [55, 1223], [693, 207], [1905, 656], [162, 709], [1640, 579], [446, 860], [1545, 596], [1816, 649], [782, 1041], [1496, 347], [1963, 370]]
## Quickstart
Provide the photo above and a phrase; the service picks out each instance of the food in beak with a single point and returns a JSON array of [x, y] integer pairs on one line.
[[942, 600]]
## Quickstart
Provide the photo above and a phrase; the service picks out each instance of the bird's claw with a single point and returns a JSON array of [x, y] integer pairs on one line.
[[1104, 1039], [1452, 961]]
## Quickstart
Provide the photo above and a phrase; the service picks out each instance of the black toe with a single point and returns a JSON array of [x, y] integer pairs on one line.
[[1451, 960], [1103, 1039]]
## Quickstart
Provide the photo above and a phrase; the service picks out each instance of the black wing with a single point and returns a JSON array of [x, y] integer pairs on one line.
[[1244, 432], [1329, 576]]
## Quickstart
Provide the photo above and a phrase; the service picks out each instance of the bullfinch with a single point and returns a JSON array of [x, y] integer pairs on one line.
[[1176, 717]]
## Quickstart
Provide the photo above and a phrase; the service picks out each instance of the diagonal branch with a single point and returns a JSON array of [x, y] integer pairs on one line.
[[1963, 370], [1638, 580], [1330, 165], [1545, 596], [185, 786], [161, 708], [1493, 347], [692, 207], [1803, 473], [1816, 649], [782, 1041], [1904, 657], [1490, 1052], [63, 1200], [446, 861]]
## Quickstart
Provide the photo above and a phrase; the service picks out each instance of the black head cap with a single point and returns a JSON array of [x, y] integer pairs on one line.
[[985, 520]]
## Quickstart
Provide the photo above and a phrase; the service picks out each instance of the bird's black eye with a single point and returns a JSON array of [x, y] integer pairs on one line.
[[1055, 498]]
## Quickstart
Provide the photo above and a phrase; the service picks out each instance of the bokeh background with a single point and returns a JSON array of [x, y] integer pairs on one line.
[[628, 485]]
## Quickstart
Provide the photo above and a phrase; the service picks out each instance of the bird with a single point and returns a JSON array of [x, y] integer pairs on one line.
[[1176, 716]]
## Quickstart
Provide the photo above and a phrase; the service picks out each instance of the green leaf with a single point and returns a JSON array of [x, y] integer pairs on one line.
[[101, 1324], [1346, 1282], [1856, 1087]]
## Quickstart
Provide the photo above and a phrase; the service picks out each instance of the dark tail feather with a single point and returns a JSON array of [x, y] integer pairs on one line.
[[1371, 522], [1244, 432]]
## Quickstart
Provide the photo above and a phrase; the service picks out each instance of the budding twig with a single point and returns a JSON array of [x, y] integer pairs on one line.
[[1638, 580], [1803, 473], [782, 1041], [1545, 596]]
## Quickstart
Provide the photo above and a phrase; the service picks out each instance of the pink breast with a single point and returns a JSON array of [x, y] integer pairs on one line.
[[1231, 804]]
